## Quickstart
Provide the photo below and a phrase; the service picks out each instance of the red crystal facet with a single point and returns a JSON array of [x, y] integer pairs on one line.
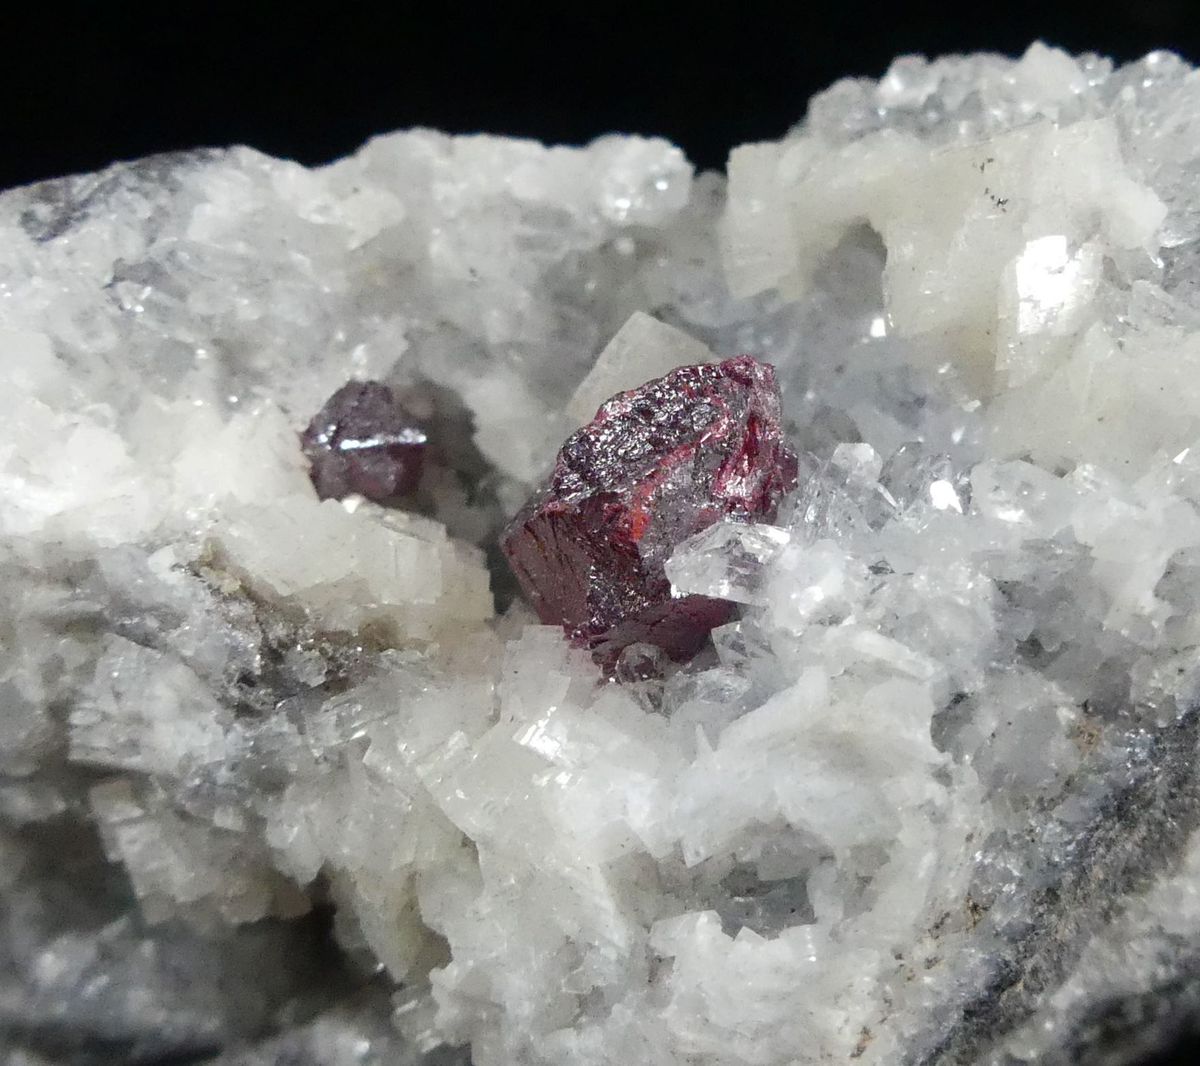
[[655, 465], [363, 441]]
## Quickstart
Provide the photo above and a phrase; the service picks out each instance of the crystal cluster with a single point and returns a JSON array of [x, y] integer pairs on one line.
[[656, 465], [285, 778]]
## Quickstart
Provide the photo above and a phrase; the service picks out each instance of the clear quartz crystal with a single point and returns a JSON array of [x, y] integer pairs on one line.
[[913, 475], [728, 561], [841, 496]]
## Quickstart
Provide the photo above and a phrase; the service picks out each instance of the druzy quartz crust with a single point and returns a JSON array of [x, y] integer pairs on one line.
[[656, 465], [298, 763]]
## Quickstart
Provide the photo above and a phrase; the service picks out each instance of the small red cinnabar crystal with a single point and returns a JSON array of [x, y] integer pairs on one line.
[[655, 465], [363, 441]]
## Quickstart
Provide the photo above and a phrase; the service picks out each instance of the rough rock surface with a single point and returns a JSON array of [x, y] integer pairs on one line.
[[656, 465], [283, 778]]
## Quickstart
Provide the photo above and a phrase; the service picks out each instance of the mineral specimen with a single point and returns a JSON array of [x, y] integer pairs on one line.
[[362, 441], [281, 779], [656, 465]]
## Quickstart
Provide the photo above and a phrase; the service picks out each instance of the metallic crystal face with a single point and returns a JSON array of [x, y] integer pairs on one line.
[[364, 442], [656, 465]]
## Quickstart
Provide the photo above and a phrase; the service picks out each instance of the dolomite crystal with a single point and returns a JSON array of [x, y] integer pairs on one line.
[[303, 779], [656, 465]]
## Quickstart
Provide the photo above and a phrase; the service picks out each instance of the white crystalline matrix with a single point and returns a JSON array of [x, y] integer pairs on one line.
[[291, 778]]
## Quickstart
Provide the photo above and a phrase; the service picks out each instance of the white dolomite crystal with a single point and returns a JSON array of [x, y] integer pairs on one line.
[[642, 349], [930, 797]]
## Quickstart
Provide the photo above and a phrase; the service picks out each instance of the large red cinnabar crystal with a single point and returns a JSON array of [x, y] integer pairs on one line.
[[655, 465]]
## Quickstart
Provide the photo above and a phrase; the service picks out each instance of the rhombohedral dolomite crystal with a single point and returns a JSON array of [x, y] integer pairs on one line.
[[284, 777]]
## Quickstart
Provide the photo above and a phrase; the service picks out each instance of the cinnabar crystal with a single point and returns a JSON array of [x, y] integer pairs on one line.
[[363, 441], [656, 464]]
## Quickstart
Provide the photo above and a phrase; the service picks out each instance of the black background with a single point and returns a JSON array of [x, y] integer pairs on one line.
[[83, 85], [87, 84]]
